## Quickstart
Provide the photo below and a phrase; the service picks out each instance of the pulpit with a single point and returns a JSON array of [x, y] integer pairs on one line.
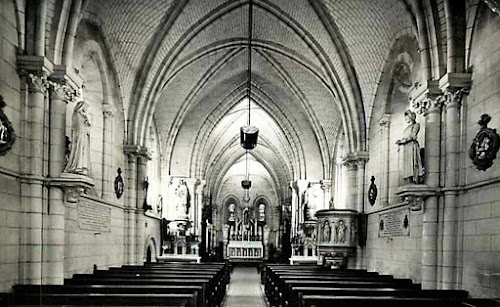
[[337, 237]]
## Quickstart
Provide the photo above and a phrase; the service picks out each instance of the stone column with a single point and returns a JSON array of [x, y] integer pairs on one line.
[[32, 183], [351, 184], [53, 268], [294, 212], [302, 187], [385, 139], [191, 185], [326, 186], [361, 163], [453, 99], [429, 104], [107, 146], [199, 207], [142, 170], [131, 206]]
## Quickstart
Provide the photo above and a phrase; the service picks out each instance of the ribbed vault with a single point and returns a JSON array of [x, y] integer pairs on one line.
[[316, 64]]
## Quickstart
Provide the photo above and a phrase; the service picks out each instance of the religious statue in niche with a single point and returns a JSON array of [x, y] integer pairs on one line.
[[119, 185], [7, 135], [372, 191], [485, 145], [182, 194], [145, 189], [340, 232], [231, 209], [79, 156], [159, 205], [413, 171], [326, 232], [262, 213], [308, 203]]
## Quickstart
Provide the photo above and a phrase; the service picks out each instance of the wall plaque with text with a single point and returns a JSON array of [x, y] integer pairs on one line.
[[94, 217], [394, 223]]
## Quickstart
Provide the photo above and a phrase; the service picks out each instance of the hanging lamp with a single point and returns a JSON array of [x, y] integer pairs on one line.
[[248, 134]]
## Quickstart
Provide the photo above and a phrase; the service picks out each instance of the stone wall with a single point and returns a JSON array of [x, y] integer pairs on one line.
[[480, 203], [94, 236], [10, 205]]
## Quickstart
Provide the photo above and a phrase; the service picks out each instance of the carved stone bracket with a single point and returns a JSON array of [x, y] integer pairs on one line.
[[74, 185], [415, 195]]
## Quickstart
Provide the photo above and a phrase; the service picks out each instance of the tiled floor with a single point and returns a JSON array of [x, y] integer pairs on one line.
[[244, 289]]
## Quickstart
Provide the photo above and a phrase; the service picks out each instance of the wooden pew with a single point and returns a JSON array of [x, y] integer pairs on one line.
[[208, 297], [215, 289], [101, 299], [299, 292], [386, 301], [196, 291]]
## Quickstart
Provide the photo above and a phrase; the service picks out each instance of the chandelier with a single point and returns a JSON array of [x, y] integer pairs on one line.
[[248, 133]]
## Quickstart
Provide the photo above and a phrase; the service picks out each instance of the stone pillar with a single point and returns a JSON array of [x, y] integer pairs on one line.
[[295, 207], [453, 99], [107, 146], [428, 103], [199, 207], [302, 187], [32, 183], [131, 206], [142, 161], [326, 186], [53, 269], [361, 163], [350, 182], [385, 140]]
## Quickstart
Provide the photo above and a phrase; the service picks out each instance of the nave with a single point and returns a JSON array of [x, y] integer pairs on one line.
[[149, 147]]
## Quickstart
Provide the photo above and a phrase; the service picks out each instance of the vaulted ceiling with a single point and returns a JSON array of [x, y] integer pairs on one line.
[[182, 65]]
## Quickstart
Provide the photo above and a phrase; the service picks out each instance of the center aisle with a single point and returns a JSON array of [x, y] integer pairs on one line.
[[244, 289]]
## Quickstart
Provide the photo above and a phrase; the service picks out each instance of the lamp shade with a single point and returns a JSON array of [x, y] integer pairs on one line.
[[246, 184], [248, 136]]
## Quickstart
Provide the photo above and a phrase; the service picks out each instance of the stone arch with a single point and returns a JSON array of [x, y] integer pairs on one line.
[[150, 250]]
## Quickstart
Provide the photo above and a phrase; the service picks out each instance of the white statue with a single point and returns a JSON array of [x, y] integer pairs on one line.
[[231, 209], [413, 171], [181, 192], [79, 157], [262, 213]]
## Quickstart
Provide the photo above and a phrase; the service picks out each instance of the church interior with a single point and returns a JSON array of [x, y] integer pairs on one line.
[[249, 153]]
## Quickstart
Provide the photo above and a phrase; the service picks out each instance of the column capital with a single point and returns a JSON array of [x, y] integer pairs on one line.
[[38, 82], [425, 98], [326, 184], [302, 185], [453, 97], [62, 91], [355, 159], [107, 111], [454, 86], [385, 120]]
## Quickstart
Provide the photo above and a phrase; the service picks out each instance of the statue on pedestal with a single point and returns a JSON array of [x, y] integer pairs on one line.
[[262, 213], [182, 194], [413, 171], [231, 209], [79, 157]]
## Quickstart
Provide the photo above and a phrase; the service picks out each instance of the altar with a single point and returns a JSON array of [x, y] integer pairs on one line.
[[245, 238]]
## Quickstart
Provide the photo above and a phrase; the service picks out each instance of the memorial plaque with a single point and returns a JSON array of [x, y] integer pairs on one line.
[[394, 223], [94, 217]]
